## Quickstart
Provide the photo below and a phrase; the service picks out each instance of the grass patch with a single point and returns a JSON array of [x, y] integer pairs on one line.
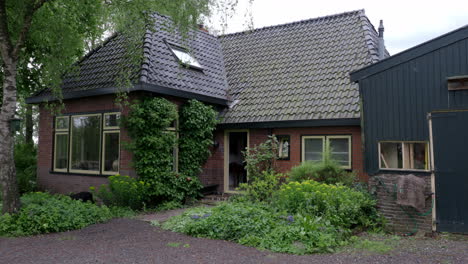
[[372, 243], [173, 244]]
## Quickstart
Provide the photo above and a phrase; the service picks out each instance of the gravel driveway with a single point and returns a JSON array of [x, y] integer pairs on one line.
[[136, 241]]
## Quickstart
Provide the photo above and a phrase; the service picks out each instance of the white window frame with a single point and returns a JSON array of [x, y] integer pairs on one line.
[[61, 132], [103, 130], [403, 156], [326, 146], [348, 137], [174, 129], [71, 146]]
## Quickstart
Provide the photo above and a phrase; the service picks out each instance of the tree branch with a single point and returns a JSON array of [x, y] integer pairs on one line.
[[5, 41], [27, 21]]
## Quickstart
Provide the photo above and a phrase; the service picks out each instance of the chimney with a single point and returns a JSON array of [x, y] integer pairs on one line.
[[202, 28], [381, 41]]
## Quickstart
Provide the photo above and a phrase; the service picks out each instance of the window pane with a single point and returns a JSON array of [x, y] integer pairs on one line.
[[186, 58], [283, 148], [61, 151], [313, 149], [391, 155], [61, 122], [112, 120], [111, 152], [339, 150], [415, 154], [86, 142]]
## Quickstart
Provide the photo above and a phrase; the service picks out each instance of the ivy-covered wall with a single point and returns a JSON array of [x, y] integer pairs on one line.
[[153, 145]]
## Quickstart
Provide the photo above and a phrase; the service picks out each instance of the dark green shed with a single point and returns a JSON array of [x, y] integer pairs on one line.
[[413, 119]]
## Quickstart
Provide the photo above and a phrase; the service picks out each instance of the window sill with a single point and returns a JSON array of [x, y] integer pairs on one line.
[[81, 174], [405, 170]]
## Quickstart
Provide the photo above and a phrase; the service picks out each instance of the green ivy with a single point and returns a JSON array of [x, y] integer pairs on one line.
[[197, 123], [152, 146]]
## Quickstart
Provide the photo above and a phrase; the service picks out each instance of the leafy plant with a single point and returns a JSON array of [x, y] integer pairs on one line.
[[46, 213], [261, 158], [197, 123], [259, 226], [123, 191], [153, 146], [262, 188], [327, 171], [341, 205]]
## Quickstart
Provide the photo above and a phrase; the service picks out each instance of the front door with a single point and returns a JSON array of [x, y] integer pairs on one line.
[[235, 173], [450, 147]]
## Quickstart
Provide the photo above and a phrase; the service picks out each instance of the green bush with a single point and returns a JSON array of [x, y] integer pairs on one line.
[[262, 188], [261, 158], [123, 191], [46, 213], [341, 205], [259, 226], [26, 164], [327, 171]]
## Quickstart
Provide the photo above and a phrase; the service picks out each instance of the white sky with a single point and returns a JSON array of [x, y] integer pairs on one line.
[[407, 23]]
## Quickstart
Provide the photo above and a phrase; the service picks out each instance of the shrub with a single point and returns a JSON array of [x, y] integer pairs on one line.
[[341, 205], [262, 188], [259, 226], [46, 213], [327, 171], [261, 158], [123, 191], [26, 164]]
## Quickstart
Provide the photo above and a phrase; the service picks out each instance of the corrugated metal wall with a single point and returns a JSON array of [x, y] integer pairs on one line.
[[397, 100]]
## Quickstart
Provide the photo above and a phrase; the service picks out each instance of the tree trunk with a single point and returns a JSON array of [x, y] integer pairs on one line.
[[10, 194], [29, 124]]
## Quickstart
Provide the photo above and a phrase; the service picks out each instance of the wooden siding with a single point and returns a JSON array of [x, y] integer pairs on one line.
[[396, 101]]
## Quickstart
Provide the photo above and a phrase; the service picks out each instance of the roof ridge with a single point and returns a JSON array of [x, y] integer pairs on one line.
[[309, 20]]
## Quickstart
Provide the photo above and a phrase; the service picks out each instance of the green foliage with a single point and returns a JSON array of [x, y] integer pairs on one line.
[[153, 146], [197, 123], [262, 188], [261, 158], [26, 164], [46, 213], [258, 226], [341, 205], [327, 171], [123, 191]]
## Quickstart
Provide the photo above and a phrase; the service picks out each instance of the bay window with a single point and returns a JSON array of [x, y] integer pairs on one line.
[[88, 143], [339, 147]]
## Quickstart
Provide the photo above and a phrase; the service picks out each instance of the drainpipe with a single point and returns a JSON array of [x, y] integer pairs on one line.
[[381, 41]]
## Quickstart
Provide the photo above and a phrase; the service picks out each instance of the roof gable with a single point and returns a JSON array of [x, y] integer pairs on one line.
[[298, 71]]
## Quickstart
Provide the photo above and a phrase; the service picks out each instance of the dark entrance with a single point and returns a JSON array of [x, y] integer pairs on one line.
[[450, 143], [237, 173]]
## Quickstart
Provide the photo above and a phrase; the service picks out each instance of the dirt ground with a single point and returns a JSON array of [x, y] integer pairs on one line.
[[137, 241]]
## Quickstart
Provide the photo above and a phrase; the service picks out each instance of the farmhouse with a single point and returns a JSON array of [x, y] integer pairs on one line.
[[414, 116], [289, 80]]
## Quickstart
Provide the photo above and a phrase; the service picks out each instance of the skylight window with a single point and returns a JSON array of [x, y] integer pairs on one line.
[[184, 56]]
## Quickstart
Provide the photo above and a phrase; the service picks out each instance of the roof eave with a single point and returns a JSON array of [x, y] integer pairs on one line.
[[138, 87], [409, 54], [294, 123]]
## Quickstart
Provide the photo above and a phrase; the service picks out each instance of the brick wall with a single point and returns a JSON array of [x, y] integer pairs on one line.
[[66, 183], [400, 219], [213, 171]]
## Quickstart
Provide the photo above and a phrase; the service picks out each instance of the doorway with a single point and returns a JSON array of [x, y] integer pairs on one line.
[[236, 142]]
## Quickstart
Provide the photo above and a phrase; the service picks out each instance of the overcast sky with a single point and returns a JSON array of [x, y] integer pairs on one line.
[[407, 23]]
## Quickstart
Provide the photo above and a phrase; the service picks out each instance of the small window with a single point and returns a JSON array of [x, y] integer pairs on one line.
[[184, 56], [283, 147], [85, 143], [404, 155], [62, 123], [111, 120], [457, 83], [61, 151], [173, 128]]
